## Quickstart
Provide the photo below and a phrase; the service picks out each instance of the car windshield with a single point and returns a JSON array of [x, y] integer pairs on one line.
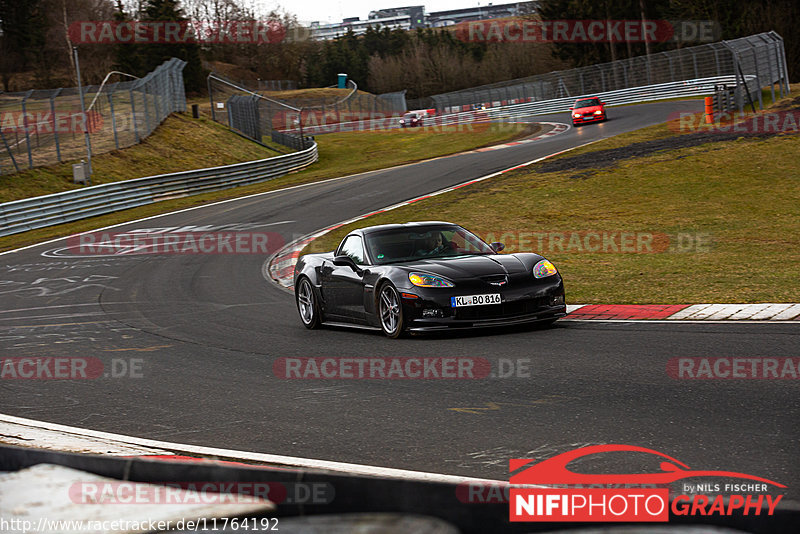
[[588, 102], [410, 116], [410, 244]]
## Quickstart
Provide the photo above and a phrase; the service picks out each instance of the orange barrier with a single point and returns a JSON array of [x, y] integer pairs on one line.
[[709, 109]]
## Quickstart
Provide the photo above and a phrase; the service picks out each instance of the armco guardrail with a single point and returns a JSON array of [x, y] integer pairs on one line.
[[48, 210], [494, 111], [648, 93]]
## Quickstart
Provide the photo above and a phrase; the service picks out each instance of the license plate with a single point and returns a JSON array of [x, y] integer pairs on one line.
[[475, 300]]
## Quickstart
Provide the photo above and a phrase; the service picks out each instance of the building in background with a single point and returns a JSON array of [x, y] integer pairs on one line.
[[413, 17]]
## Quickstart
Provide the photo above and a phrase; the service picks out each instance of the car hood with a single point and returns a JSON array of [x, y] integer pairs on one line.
[[466, 267]]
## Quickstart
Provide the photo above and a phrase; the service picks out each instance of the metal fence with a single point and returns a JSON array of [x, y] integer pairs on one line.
[[753, 62], [257, 115], [44, 127]]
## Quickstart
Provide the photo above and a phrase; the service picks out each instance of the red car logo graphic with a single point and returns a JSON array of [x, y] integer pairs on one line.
[[554, 470]]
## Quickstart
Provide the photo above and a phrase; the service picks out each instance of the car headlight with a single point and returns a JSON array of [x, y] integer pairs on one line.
[[429, 280], [576, 115], [402, 121], [543, 269], [598, 112]]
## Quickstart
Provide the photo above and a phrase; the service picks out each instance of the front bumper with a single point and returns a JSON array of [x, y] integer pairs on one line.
[[588, 119], [542, 300]]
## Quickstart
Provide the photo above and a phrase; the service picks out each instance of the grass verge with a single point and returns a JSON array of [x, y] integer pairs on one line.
[[721, 218], [341, 154], [178, 144]]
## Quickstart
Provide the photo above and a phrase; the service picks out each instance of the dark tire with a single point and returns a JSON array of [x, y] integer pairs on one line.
[[390, 311], [307, 304]]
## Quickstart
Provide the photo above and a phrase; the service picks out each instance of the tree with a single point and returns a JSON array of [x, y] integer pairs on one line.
[[154, 54], [127, 56]]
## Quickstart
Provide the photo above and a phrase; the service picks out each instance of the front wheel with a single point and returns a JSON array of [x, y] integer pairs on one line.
[[391, 311], [307, 304]]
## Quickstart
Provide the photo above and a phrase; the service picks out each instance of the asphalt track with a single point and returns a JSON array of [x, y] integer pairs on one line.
[[205, 331]]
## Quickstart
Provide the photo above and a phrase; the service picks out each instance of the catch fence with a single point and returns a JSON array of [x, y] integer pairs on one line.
[[45, 127], [256, 114], [751, 62]]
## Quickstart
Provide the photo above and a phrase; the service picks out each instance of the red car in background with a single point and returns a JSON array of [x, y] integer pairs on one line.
[[587, 110]]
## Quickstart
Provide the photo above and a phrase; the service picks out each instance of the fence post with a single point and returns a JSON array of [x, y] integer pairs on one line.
[[146, 113], [83, 110], [10, 152], [758, 77], [785, 65], [55, 127], [781, 57], [113, 117], [211, 98], [25, 126], [156, 98], [134, 119], [771, 75]]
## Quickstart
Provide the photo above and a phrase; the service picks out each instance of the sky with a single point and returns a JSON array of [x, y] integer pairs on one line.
[[326, 11]]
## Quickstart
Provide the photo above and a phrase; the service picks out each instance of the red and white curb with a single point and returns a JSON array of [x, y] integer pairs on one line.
[[685, 312], [558, 128]]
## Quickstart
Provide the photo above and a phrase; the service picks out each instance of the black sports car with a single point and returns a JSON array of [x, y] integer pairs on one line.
[[425, 276]]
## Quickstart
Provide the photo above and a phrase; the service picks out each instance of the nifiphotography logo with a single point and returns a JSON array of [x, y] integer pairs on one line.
[[602, 498]]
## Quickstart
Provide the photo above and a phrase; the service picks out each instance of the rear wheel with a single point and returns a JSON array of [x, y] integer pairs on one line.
[[307, 304], [390, 309]]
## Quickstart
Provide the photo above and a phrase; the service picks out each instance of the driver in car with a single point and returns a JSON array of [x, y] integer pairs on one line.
[[434, 244]]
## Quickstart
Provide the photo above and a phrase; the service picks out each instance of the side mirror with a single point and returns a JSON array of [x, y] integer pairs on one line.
[[571, 109], [497, 246], [345, 260]]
